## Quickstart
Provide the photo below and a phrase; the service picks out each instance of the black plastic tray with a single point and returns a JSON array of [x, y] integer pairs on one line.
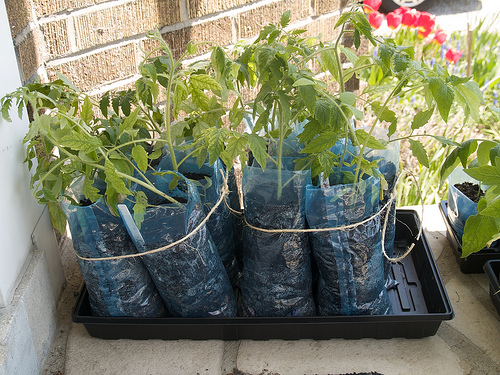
[[492, 270], [420, 304], [474, 262]]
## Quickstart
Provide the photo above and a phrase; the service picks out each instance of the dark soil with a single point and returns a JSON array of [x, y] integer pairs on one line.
[[470, 190], [195, 176]]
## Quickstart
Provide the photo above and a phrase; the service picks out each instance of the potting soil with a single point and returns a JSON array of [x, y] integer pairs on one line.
[[276, 278], [190, 276], [350, 261], [121, 287]]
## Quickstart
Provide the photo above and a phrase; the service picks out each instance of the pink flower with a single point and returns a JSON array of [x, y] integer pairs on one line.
[[376, 18], [453, 56], [440, 36], [371, 5], [394, 20]]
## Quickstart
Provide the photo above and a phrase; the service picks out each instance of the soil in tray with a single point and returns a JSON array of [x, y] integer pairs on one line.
[[470, 190]]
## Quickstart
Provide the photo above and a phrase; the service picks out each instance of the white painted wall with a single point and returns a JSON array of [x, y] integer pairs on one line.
[[19, 211]]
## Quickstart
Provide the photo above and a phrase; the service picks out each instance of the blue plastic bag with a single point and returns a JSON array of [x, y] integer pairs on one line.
[[350, 261], [190, 276], [388, 165], [460, 207], [276, 278], [121, 287], [209, 182]]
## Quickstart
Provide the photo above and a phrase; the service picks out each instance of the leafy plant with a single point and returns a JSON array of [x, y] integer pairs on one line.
[[118, 138], [483, 228], [279, 65]]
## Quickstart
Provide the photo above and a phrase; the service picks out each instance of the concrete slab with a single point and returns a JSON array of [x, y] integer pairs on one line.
[[87, 355], [389, 357]]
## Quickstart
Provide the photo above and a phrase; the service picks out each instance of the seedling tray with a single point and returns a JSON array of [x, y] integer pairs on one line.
[[492, 270], [474, 262], [420, 303]]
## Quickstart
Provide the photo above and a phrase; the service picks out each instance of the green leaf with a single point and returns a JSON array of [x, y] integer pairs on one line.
[[492, 209], [308, 95], [369, 141], [479, 230], [66, 81], [421, 118], [471, 100], [445, 141], [236, 146], [321, 143], [323, 111], [57, 216], [5, 110], [80, 142], [113, 180], [141, 203], [443, 95], [465, 150], [129, 121], [258, 146], [140, 157], [483, 152], [104, 104], [90, 191], [348, 98], [303, 82], [311, 129], [285, 19], [215, 139], [487, 174], [204, 82], [330, 63], [419, 152]]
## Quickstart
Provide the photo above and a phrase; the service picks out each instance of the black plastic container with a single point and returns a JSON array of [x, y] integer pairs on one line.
[[474, 262], [420, 303], [492, 270]]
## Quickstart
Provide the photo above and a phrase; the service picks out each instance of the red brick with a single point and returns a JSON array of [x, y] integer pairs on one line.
[[30, 54], [19, 14], [199, 8], [251, 22], [103, 67], [46, 7], [219, 31], [116, 23], [328, 6], [56, 38]]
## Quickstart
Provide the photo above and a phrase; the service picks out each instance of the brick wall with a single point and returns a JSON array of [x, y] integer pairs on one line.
[[98, 43]]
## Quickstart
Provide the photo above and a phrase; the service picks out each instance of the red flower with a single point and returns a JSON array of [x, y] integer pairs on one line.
[[408, 18], [417, 14], [423, 33], [371, 5], [376, 18], [425, 22], [394, 20], [453, 56], [440, 36], [402, 10]]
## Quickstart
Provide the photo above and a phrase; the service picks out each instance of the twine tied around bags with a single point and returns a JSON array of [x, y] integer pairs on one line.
[[223, 195], [354, 225]]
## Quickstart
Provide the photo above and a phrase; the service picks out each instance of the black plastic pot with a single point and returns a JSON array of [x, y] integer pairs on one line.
[[419, 303], [492, 270], [474, 262]]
